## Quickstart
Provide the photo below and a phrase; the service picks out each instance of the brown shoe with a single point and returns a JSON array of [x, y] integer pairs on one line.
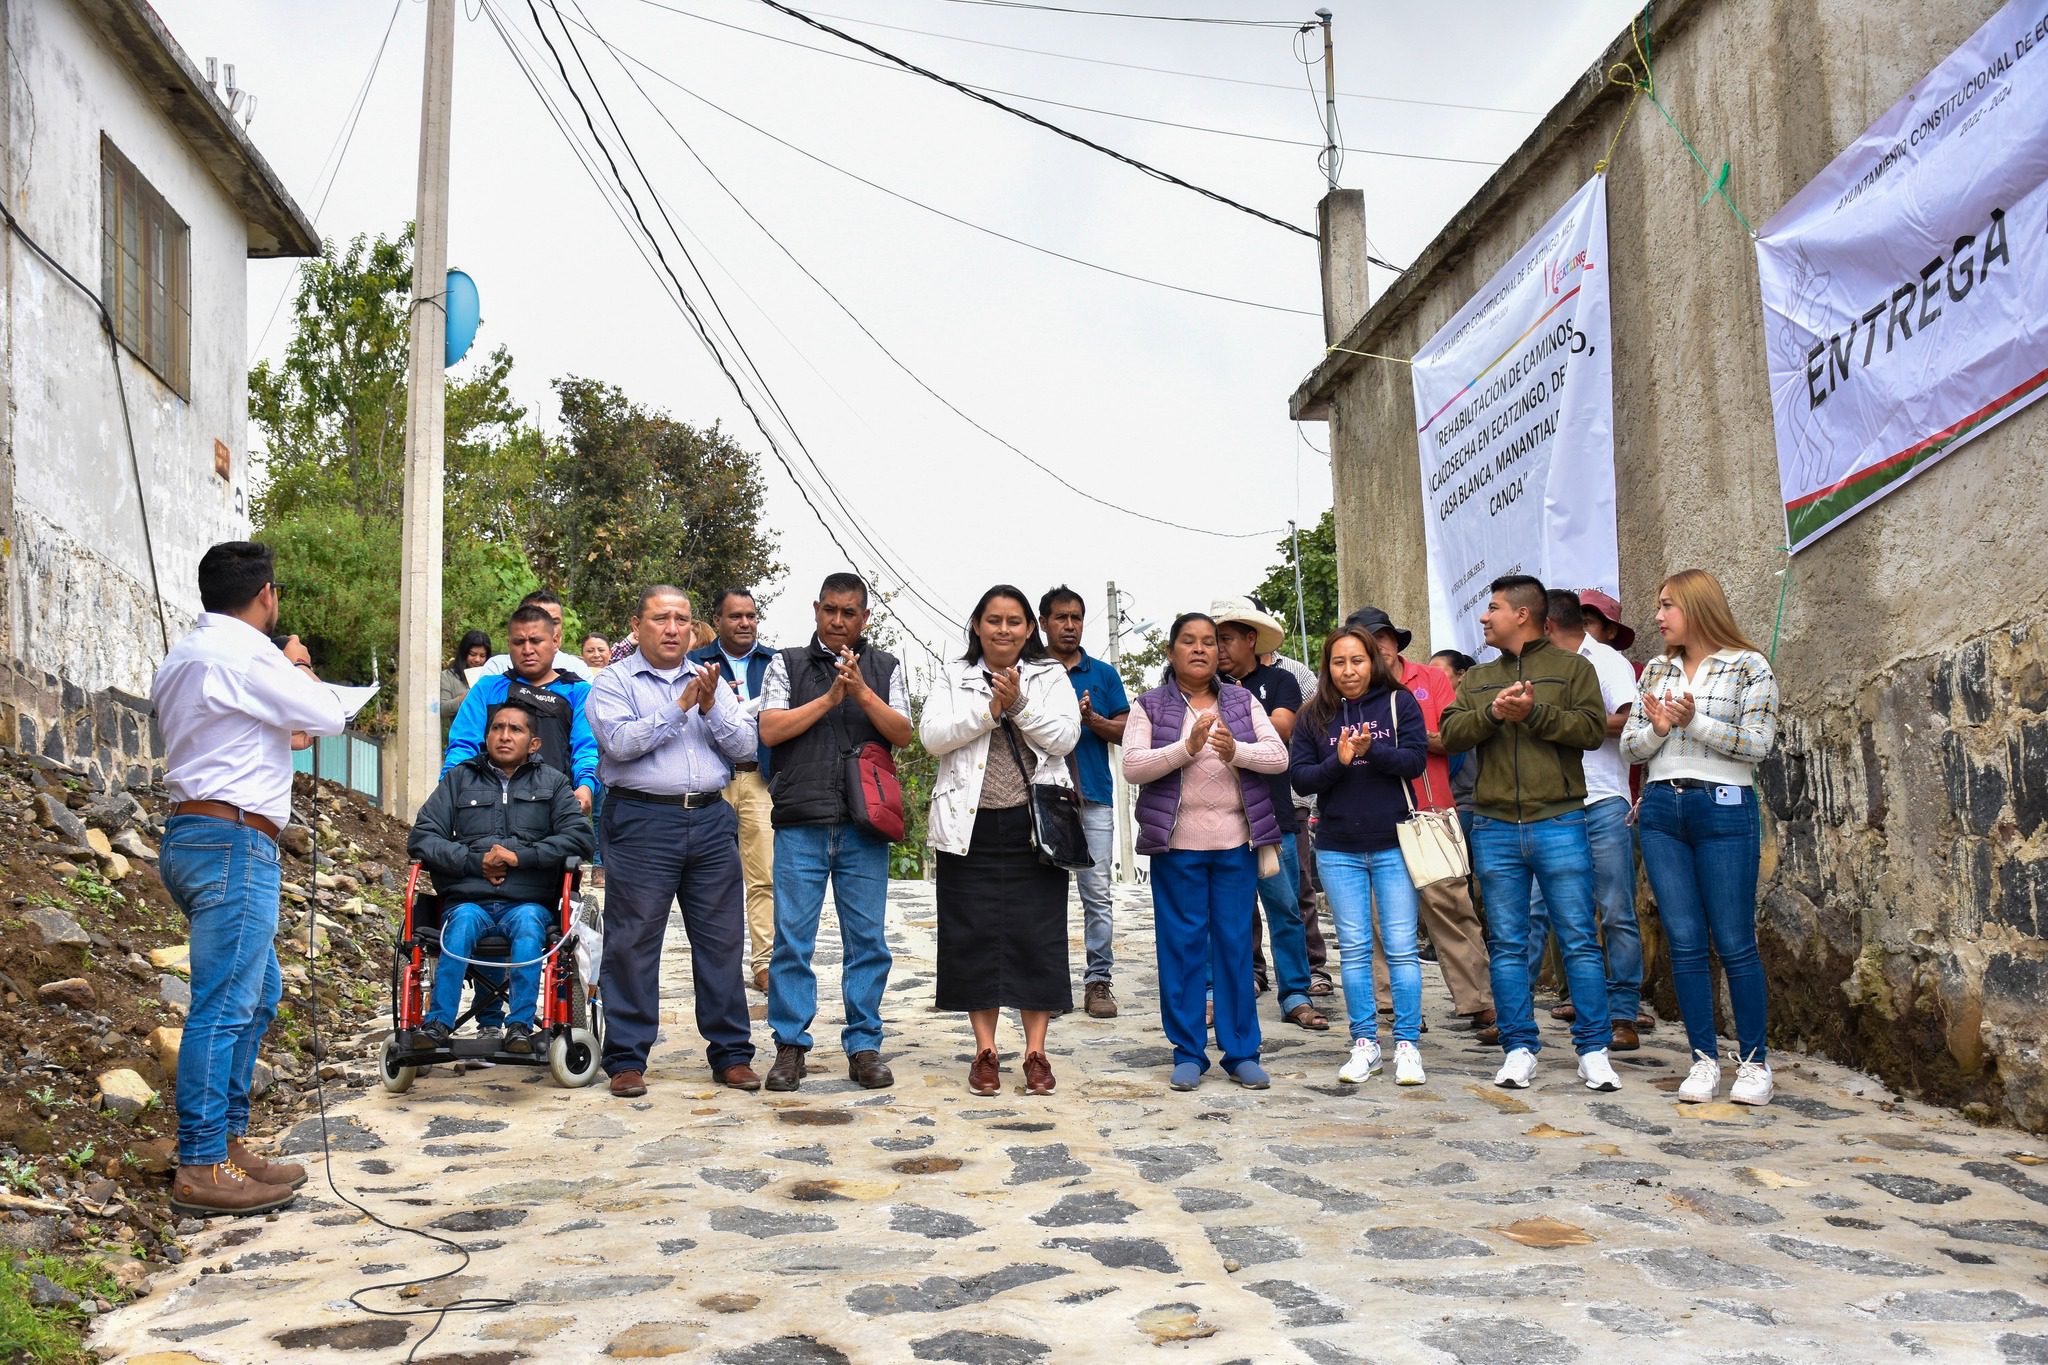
[[284, 1174], [1646, 1022], [1565, 1012], [761, 980], [1099, 1000], [629, 1085], [790, 1067], [866, 1067], [1625, 1039], [1488, 1036], [1485, 1018], [224, 1188], [1037, 1074], [740, 1077], [985, 1077]]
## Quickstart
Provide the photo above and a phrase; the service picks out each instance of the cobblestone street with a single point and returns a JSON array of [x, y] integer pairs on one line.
[[1120, 1221]]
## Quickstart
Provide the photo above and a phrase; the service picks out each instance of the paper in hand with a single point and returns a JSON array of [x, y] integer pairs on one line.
[[352, 699]]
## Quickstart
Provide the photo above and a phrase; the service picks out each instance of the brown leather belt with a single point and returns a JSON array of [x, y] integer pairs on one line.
[[746, 767], [234, 815]]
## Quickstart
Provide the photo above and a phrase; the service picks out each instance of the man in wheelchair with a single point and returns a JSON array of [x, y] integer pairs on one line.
[[496, 834]]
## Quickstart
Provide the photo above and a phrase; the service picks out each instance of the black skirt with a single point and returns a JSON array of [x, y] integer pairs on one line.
[[1002, 922]]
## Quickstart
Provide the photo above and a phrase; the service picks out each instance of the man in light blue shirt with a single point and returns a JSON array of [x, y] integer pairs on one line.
[[669, 734]]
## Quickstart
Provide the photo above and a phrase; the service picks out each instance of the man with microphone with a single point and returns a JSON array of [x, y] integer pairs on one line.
[[232, 705]]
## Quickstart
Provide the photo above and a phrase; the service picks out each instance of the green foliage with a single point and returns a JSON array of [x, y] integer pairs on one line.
[[1141, 667], [49, 1336], [636, 497], [918, 771], [18, 1173], [1318, 587], [78, 1158]]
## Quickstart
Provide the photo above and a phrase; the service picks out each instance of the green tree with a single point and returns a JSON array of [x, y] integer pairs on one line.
[[635, 496], [1318, 585]]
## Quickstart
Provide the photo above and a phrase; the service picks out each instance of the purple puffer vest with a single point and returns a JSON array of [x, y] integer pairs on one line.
[[1159, 799]]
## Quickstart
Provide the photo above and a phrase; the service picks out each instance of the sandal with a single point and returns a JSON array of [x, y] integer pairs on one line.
[[1307, 1016], [1320, 985]]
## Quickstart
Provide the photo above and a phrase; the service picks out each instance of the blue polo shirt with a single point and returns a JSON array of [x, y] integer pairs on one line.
[[1104, 689]]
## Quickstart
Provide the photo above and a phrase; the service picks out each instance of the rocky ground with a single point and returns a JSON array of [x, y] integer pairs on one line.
[[1119, 1220], [93, 991]]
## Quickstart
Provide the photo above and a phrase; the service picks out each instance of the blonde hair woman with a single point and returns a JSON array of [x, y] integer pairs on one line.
[[1706, 714]]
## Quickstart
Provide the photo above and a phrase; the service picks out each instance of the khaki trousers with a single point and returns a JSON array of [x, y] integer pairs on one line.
[[1452, 923], [747, 794]]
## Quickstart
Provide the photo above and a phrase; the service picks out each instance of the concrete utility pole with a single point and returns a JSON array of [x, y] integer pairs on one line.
[[1329, 99], [419, 595], [1126, 848]]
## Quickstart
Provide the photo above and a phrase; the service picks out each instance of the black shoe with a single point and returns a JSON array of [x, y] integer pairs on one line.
[[430, 1035], [519, 1038]]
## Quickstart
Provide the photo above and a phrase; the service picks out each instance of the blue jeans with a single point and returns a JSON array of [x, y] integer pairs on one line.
[[1202, 933], [224, 877], [1555, 853], [1097, 929], [523, 923], [1280, 894], [1702, 860], [857, 865], [1614, 894], [1351, 883]]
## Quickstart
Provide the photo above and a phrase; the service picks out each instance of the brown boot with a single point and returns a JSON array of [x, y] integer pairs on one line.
[[1099, 1000], [1625, 1039], [985, 1077], [1037, 1074], [790, 1067], [867, 1067], [222, 1188], [286, 1174]]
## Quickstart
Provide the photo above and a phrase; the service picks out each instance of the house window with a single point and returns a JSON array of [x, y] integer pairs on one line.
[[145, 270]]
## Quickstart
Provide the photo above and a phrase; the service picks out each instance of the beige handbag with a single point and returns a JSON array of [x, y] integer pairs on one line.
[[1432, 841]]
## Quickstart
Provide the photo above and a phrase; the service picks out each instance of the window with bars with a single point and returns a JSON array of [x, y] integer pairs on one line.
[[145, 270]]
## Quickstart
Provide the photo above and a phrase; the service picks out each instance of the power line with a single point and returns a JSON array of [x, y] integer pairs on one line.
[[666, 79], [1031, 118], [1125, 14], [1058, 478]]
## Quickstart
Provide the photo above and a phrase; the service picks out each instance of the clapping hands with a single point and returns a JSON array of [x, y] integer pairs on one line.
[[1669, 712], [1353, 741]]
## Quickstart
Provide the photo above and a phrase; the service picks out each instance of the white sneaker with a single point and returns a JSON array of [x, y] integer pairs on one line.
[[1408, 1065], [1753, 1084], [1597, 1072], [1364, 1063], [1704, 1080], [1515, 1072]]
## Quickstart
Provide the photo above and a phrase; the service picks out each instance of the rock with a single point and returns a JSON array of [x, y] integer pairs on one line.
[[44, 1292], [134, 845], [176, 992], [115, 867], [65, 870], [114, 809], [296, 840], [154, 1157], [262, 1078], [53, 814], [163, 1044], [654, 1340], [176, 958], [123, 1093], [98, 842], [56, 928], [75, 991]]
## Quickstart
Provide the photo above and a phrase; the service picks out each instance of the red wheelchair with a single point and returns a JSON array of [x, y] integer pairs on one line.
[[568, 1028]]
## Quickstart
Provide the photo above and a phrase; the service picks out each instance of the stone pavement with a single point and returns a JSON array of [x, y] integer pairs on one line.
[[1121, 1221]]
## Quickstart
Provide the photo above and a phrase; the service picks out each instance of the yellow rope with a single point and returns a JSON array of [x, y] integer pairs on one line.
[[1635, 89], [1369, 355]]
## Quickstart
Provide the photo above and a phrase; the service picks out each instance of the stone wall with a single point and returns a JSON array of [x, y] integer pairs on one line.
[[110, 734], [1905, 899]]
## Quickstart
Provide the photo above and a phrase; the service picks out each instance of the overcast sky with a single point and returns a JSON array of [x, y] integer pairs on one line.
[[1162, 401]]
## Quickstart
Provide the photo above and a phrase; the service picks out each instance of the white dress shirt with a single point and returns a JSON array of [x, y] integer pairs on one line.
[[227, 701]]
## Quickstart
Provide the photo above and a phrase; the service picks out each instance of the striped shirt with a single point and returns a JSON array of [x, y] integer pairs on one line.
[[1735, 719]]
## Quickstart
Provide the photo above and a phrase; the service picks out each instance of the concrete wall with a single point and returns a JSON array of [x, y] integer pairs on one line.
[[1906, 895], [79, 579]]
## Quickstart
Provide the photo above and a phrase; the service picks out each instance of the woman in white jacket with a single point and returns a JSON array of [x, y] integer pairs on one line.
[[1000, 718]]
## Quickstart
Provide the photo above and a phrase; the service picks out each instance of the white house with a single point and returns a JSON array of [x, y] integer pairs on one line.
[[122, 166]]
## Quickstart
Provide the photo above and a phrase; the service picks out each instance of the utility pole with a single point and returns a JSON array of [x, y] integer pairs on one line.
[[419, 595], [1300, 605], [1126, 849], [1329, 99]]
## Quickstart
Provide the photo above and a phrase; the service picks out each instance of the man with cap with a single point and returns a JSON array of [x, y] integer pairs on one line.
[[1447, 913], [1603, 623], [1243, 633]]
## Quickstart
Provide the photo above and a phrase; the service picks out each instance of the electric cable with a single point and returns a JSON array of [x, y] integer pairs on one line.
[[1126, 14], [1155, 172], [880, 188], [1058, 478], [697, 322]]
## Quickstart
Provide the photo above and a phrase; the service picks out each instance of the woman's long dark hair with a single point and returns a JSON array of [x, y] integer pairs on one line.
[[1328, 701], [1034, 648], [470, 640], [1179, 623]]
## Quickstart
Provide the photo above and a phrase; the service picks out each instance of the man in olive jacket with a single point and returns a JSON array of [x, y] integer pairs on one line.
[[1532, 713], [495, 834]]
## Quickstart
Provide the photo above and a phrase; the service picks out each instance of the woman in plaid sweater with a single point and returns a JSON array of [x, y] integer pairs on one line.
[[1707, 713]]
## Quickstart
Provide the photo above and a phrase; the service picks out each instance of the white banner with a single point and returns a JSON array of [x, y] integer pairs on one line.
[[1514, 411], [1905, 289]]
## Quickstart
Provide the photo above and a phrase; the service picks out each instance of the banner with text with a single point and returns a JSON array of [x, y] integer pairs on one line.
[[1905, 289], [1514, 405]]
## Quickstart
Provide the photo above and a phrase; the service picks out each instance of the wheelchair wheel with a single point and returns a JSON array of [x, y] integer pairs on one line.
[[397, 1079], [573, 1058]]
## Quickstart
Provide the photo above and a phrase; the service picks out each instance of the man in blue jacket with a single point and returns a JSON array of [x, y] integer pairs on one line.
[[742, 661], [556, 697]]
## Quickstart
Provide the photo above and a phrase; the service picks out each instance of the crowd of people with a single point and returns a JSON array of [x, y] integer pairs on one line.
[[1490, 806]]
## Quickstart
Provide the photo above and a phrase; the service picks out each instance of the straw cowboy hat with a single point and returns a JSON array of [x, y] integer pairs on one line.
[[1244, 612]]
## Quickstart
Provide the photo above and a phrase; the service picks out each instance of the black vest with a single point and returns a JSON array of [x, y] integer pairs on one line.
[[553, 716], [809, 772]]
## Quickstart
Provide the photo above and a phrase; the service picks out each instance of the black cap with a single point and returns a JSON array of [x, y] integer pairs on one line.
[[1372, 621]]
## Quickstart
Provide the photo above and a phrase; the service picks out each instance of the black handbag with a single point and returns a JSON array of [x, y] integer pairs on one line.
[[1056, 830]]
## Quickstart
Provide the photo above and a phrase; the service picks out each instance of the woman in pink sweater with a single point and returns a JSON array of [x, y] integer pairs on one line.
[[1193, 744]]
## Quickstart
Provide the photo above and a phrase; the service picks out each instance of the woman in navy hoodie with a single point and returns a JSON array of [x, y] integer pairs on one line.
[[1357, 745]]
